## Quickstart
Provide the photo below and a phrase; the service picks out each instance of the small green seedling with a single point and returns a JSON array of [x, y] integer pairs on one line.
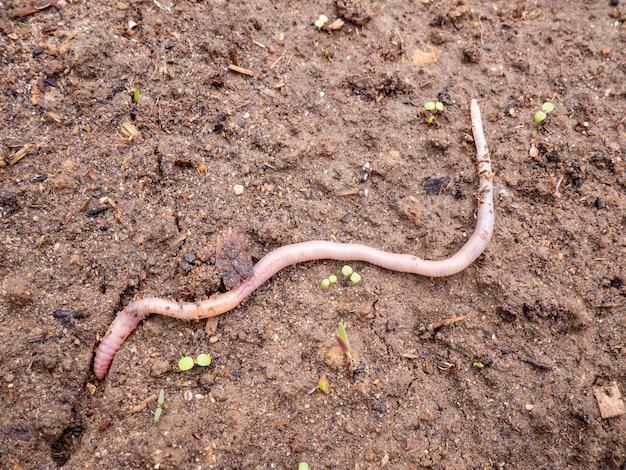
[[355, 278], [321, 21], [332, 278], [478, 365], [347, 270], [204, 360], [540, 116], [159, 409], [325, 283], [433, 107], [344, 344], [322, 384], [185, 363], [136, 95], [303, 466], [546, 108]]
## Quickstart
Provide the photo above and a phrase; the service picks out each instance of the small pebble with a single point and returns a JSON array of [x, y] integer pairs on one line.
[[238, 189], [214, 339], [529, 407], [67, 364], [9, 377]]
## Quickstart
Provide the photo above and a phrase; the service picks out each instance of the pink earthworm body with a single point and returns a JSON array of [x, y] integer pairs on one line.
[[128, 319]]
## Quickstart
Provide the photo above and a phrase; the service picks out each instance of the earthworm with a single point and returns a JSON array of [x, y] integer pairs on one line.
[[128, 318]]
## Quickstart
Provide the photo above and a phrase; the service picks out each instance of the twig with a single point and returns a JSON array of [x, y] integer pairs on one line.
[[534, 363]]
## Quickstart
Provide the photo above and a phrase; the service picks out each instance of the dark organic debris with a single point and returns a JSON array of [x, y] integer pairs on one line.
[[62, 313], [232, 259], [97, 211], [434, 186], [537, 364]]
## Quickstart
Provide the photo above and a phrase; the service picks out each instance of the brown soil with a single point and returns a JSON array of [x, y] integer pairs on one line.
[[90, 219]]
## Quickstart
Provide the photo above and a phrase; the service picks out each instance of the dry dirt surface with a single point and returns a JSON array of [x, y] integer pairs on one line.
[[105, 197]]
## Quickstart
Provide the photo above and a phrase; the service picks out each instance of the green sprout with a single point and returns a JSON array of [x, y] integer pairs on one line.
[[478, 365], [303, 466], [159, 409], [332, 278], [322, 384], [325, 283], [542, 115], [347, 270], [136, 95], [344, 343], [355, 278], [185, 363], [204, 360], [547, 107], [433, 107]]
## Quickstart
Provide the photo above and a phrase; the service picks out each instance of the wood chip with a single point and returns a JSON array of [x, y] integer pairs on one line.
[[335, 25], [54, 117], [21, 153], [65, 45], [427, 56], [35, 93], [22, 12], [446, 322], [241, 70], [129, 131], [142, 404], [348, 192], [609, 401]]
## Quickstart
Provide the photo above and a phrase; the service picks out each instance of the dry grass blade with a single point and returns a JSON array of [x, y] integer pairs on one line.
[[142, 404], [241, 70]]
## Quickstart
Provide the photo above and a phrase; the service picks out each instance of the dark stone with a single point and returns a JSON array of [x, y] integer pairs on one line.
[[97, 211], [444, 97]]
